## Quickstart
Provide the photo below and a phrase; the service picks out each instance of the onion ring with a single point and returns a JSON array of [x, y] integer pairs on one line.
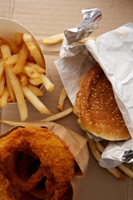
[[31, 154]]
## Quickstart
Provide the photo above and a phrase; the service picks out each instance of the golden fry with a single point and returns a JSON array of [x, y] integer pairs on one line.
[[48, 119], [2, 84], [59, 38], [30, 72], [53, 39], [6, 51], [117, 173], [36, 54], [126, 170], [18, 38], [23, 54], [47, 83], [4, 97], [30, 58], [1, 68], [4, 41], [35, 81], [9, 86], [62, 98], [33, 49], [18, 93], [14, 48], [88, 38], [35, 101], [58, 115], [1, 43], [99, 146], [36, 67], [37, 91], [24, 79], [122, 167], [11, 60]]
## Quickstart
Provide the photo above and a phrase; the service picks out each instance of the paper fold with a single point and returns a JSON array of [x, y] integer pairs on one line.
[[114, 52]]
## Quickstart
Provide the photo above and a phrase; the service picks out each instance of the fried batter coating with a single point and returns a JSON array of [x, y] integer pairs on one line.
[[6, 190], [31, 155]]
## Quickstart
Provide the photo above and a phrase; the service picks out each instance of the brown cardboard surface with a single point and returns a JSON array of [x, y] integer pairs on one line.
[[44, 18]]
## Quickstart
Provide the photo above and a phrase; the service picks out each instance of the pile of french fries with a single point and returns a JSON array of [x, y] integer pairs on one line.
[[22, 72]]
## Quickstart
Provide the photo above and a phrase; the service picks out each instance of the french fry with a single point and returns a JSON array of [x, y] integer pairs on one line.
[[23, 54], [99, 146], [4, 42], [11, 60], [5, 50], [122, 167], [53, 39], [35, 81], [36, 54], [1, 43], [14, 47], [35, 101], [14, 123], [117, 173], [37, 91], [126, 170], [0, 49], [2, 84], [48, 119], [18, 93], [31, 72], [18, 38], [4, 97], [36, 67], [58, 115], [30, 58], [9, 86], [88, 38], [24, 79], [47, 83], [33, 49], [1, 68], [62, 98], [9, 99], [22, 66]]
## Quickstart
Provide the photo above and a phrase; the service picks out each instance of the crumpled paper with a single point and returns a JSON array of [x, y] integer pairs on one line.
[[114, 52], [78, 147]]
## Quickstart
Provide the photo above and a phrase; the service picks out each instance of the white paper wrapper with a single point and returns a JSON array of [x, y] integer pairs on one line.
[[114, 52]]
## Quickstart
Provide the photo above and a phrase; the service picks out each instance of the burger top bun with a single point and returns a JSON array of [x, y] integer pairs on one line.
[[97, 109]]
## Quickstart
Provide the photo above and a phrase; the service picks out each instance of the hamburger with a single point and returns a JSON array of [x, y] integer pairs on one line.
[[96, 107]]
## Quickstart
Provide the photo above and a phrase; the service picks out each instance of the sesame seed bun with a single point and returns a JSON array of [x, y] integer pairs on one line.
[[97, 109]]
